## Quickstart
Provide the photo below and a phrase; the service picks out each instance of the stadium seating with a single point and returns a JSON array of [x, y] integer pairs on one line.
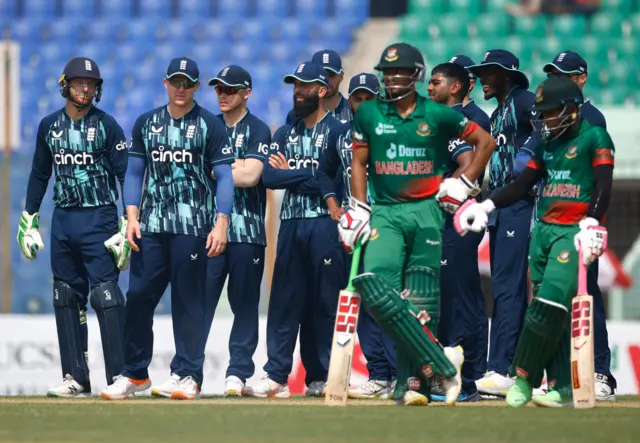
[[133, 42]]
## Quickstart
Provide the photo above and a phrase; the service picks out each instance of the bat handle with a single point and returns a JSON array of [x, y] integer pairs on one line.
[[355, 264], [582, 274]]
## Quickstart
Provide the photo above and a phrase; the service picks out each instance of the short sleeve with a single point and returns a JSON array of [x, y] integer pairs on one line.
[[278, 141], [602, 149], [536, 161], [359, 132], [218, 150], [523, 104], [137, 137], [259, 142], [458, 147], [454, 124]]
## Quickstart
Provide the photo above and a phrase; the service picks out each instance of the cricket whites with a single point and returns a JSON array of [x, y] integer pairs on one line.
[[582, 358], [344, 339]]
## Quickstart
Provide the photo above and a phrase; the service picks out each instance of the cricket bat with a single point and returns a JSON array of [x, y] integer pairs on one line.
[[582, 358], [344, 339]]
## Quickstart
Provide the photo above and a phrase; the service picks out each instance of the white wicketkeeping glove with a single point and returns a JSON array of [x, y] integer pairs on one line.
[[472, 216], [354, 224], [28, 236], [454, 191], [119, 246], [592, 240]]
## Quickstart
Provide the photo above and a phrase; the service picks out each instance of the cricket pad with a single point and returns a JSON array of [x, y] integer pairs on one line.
[[398, 317]]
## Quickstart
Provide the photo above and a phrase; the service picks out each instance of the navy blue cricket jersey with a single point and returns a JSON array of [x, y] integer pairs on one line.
[[179, 156], [510, 127], [303, 149], [342, 113], [249, 138], [87, 156]]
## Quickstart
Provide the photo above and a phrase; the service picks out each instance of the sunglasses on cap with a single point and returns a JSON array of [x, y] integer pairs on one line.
[[228, 90], [182, 82]]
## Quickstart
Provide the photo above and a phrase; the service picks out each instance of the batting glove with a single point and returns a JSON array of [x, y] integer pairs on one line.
[[29, 238], [472, 216], [454, 191], [354, 224], [592, 240], [119, 246]]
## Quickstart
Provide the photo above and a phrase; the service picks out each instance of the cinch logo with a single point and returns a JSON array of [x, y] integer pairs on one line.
[[453, 144], [181, 156], [81, 158], [227, 150], [302, 163]]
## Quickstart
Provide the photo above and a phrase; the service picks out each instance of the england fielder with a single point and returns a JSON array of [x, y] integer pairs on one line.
[[176, 146], [87, 150], [462, 308], [310, 268], [510, 226], [403, 138], [575, 160]]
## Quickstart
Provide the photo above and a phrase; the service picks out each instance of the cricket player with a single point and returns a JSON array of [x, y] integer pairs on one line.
[[404, 139], [509, 227], [376, 345], [334, 102], [86, 149], [575, 160], [310, 267], [462, 306], [571, 65], [169, 216]]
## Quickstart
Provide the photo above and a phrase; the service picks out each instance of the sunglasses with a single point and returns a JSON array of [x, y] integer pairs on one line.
[[182, 82], [228, 90]]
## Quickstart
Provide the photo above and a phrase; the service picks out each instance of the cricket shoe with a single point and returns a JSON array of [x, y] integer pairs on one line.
[[69, 389], [553, 399], [413, 398], [519, 394], [233, 386], [316, 389], [605, 390], [371, 389], [452, 386], [166, 388], [124, 387], [267, 388], [494, 384], [187, 389]]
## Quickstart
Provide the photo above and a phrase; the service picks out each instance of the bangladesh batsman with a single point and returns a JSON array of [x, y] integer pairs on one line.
[[404, 139], [575, 160], [86, 149]]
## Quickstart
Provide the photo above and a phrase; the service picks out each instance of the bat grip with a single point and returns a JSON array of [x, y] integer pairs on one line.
[[582, 274], [355, 264]]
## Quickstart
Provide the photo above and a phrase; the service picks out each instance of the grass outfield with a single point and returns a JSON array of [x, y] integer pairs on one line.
[[300, 420]]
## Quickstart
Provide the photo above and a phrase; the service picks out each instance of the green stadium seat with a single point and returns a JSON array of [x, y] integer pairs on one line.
[[569, 26], [623, 74], [634, 21], [426, 6], [593, 49], [534, 26], [614, 95], [518, 46], [453, 25], [606, 25], [474, 48], [496, 5], [627, 48], [413, 27], [435, 52], [486, 25], [547, 48], [472, 7], [620, 6]]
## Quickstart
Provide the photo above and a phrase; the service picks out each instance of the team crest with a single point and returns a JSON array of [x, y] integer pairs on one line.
[[427, 370], [564, 256], [539, 96], [374, 234], [521, 373], [423, 129], [414, 383], [392, 55], [572, 151]]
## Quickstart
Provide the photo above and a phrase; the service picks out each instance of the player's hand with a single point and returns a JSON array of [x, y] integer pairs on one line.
[[217, 238], [133, 230], [592, 240], [454, 191], [28, 237], [238, 163], [354, 224], [472, 216], [119, 246], [278, 161], [335, 209]]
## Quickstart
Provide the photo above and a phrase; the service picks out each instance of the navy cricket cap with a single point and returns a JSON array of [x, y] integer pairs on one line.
[[465, 62], [366, 82], [308, 72], [567, 62], [183, 66], [81, 67], [504, 60], [232, 75], [329, 60]]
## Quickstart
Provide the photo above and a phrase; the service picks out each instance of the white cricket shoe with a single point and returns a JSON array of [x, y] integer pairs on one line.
[[371, 389], [267, 388], [68, 389], [233, 386], [413, 398], [187, 389], [494, 384], [604, 389], [124, 387], [166, 388], [453, 386]]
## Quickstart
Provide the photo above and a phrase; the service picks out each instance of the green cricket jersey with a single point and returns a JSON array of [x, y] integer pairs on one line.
[[407, 156], [568, 167]]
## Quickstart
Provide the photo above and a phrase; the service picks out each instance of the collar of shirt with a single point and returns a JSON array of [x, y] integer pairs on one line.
[[195, 103], [468, 103], [341, 104], [390, 109], [89, 113], [246, 113], [301, 127]]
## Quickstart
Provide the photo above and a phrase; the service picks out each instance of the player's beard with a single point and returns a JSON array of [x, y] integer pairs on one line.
[[307, 106]]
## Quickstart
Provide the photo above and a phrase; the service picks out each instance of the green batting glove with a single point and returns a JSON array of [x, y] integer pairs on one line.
[[119, 246], [28, 236]]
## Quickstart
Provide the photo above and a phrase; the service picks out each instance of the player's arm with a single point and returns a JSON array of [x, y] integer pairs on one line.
[[219, 157], [134, 182], [280, 176], [116, 149], [40, 172], [483, 144], [360, 158], [462, 153], [248, 174]]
